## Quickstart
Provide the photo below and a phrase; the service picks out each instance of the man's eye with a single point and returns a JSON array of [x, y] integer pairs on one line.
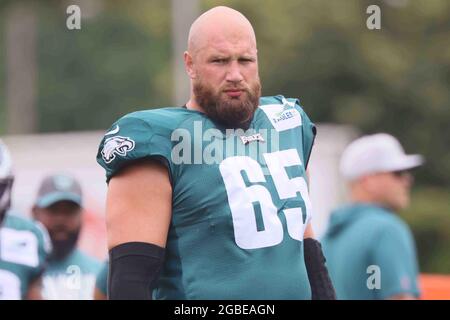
[[219, 61]]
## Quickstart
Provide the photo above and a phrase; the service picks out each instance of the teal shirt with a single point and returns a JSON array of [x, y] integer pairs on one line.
[[72, 278], [238, 216], [370, 253], [101, 283], [24, 248]]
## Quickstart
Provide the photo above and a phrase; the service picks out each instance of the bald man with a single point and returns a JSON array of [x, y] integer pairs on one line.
[[210, 200]]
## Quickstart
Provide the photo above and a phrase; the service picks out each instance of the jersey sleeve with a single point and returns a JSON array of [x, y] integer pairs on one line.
[[44, 250], [395, 255], [130, 139], [309, 132]]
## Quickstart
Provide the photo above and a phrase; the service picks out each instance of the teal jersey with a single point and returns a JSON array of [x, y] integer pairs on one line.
[[370, 253], [24, 248], [72, 278], [101, 282], [240, 199]]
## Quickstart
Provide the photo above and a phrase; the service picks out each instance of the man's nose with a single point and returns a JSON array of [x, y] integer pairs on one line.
[[234, 73]]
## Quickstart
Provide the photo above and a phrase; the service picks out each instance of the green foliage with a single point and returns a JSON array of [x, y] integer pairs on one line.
[[89, 78], [429, 219]]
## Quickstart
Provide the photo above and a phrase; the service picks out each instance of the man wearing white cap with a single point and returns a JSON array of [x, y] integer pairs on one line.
[[370, 251]]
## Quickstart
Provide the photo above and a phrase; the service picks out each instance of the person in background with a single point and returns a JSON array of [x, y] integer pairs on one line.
[[70, 274], [24, 244], [370, 251]]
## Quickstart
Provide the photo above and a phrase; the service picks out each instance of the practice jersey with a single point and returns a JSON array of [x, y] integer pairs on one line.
[[240, 199], [72, 278], [24, 248]]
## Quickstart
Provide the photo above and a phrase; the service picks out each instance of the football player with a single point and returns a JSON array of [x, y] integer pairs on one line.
[[210, 200], [24, 244]]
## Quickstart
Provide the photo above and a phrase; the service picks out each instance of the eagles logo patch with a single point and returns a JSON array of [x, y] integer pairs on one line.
[[116, 146]]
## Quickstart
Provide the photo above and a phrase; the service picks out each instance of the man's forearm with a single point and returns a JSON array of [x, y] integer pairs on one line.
[[134, 268], [319, 279]]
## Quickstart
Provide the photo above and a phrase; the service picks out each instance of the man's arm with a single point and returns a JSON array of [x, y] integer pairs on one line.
[[138, 213], [319, 279]]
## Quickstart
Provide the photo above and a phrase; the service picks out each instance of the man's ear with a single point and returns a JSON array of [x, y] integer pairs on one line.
[[189, 65]]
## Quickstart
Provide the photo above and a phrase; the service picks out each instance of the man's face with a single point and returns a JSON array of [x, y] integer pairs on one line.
[[63, 222], [225, 79], [392, 189]]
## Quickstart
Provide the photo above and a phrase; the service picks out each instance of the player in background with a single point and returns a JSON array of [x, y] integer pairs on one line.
[[70, 274], [24, 244], [370, 251]]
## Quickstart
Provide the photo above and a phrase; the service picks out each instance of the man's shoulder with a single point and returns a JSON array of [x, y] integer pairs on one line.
[[16, 221], [280, 99], [286, 113], [24, 240], [139, 135], [384, 220], [162, 118]]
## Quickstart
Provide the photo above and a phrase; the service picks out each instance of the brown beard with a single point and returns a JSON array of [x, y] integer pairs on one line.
[[229, 112]]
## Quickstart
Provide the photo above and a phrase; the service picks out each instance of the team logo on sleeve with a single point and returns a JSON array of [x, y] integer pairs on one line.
[[116, 146]]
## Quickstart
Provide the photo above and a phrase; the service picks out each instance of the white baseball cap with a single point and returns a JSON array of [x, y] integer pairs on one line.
[[376, 153]]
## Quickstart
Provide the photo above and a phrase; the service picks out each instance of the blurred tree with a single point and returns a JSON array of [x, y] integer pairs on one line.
[[118, 62], [21, 66]]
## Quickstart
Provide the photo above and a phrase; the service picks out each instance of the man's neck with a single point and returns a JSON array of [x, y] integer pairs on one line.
[[193, 105], [358, 196]]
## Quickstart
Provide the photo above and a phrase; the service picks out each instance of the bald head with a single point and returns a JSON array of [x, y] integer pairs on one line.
[[219, 24], [222, 64]]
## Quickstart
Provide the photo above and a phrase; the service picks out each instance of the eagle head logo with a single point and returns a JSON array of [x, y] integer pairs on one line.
[[116, 146]]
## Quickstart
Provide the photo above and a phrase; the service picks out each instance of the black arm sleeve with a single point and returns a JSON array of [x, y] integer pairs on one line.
[[319, 279], [133, 270]]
